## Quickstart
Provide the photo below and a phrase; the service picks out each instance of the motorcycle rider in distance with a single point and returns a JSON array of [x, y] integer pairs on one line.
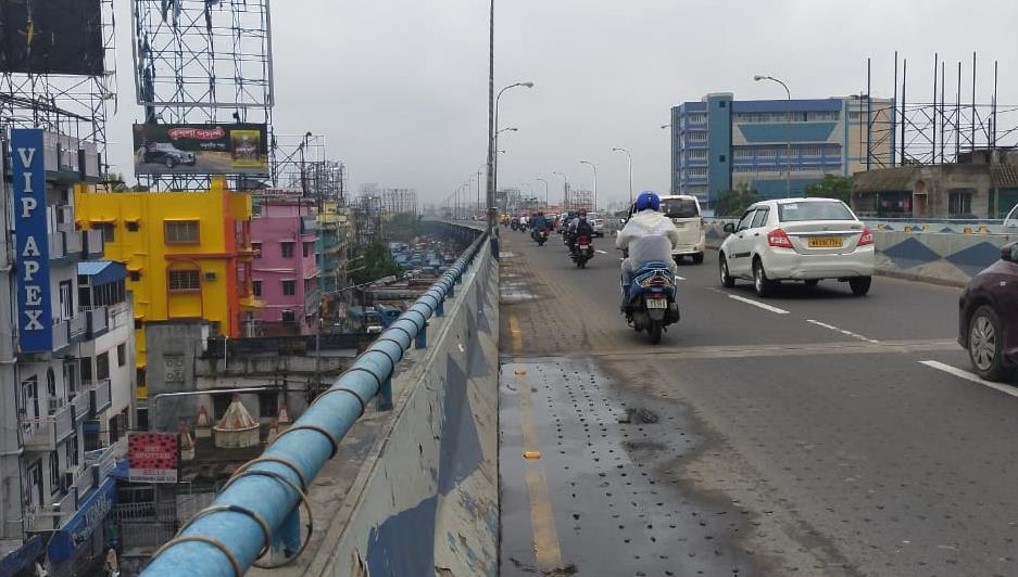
[[648, 236], [538, 223], [579, 226]]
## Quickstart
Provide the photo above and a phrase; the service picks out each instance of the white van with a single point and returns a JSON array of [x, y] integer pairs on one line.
[[684, 210]]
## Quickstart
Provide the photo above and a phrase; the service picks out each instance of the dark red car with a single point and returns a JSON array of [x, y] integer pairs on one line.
[[988, 318]]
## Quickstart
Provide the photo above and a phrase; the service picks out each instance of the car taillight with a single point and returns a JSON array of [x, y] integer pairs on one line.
[[867, 236], [778, 237]]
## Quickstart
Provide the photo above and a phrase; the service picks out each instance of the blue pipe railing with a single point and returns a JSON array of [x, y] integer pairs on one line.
[[257, 511]]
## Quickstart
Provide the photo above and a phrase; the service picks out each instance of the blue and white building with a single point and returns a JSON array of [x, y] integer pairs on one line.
[[720, 144], [66, 365]]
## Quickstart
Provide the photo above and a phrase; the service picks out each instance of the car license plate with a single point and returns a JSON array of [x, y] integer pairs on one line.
[[825, 242], [657, 303], [583, 247]]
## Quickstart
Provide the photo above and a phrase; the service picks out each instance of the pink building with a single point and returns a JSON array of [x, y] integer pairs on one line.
[[286, 267]]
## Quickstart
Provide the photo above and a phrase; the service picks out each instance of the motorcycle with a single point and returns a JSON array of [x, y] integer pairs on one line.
[[650, 300], [515, 224], [583, 251], [540, 236]]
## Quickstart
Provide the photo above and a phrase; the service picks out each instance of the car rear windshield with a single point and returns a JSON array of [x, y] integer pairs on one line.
[[680, 208], [799, 211]]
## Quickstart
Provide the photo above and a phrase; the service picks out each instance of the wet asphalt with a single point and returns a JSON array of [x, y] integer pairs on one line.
[[804, 437]]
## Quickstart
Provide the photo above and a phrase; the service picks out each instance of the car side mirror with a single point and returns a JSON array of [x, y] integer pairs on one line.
[[1010, 252], [729, 228]]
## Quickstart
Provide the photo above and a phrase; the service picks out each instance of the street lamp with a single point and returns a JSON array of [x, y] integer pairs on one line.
[[788, 134], [493, 141], [591, 165], [629, 158], [539, 179], [565, 189]]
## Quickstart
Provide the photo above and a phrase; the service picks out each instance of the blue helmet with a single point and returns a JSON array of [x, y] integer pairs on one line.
[[648, 200]]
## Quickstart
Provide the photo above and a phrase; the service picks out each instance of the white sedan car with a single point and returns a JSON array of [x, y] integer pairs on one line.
[[798, 239]]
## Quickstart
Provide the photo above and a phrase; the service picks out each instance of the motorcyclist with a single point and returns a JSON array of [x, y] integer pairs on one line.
[[578, 227], [538, 223], [649, 236]]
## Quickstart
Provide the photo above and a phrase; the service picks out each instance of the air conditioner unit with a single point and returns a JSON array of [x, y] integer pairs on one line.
[[211, 275], [55, 404]]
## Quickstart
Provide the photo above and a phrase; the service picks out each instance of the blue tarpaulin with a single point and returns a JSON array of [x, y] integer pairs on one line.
[[102, 272]]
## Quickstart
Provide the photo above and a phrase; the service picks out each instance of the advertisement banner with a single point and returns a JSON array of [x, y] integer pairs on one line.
[[201, 149], [28, 175], [152, 457], [51, 37]]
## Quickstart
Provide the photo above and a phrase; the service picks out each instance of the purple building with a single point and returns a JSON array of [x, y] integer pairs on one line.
[[285, 267]]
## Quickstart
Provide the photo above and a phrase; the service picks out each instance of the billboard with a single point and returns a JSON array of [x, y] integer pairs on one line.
[[152, 457], [28, 176], [201, 149], [51, 37]]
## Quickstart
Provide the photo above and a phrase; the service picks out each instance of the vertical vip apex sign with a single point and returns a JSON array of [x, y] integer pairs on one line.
[[28, 175]]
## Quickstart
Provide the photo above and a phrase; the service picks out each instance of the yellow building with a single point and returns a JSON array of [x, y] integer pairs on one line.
[[188, 255]]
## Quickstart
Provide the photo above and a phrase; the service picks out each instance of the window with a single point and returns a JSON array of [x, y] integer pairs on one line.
[[71, 451], [54, 472], [289, 317], [257, 248], [51, 383], [256, 288], [268, 404], [107, 228], [181, 232], [102, 366], [959, 203], [183, 280], [309, 249], [722, 158], [287, 249], [761, 217], [135, 275], [816, 210], [289, 288], [308, 285], [746, 220], [121, 354]]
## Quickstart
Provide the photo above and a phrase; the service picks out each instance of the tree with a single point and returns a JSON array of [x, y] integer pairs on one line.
[[403, 227], [376, 262], [735, 202], [832, 186]]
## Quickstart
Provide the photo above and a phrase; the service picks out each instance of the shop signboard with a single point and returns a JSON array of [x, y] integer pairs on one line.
[[201, 149], [152, 457]]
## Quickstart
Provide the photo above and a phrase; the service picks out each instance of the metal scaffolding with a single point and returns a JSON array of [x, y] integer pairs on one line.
[[67, 103]]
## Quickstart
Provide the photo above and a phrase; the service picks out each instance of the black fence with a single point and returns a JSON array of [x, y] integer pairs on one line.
[[294, 345]]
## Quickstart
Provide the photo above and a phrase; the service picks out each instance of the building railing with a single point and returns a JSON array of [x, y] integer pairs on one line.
[[305, 448], [53, 515], [93, 243], [83, 479], [61, 334], [57, 248], [78, 325], [105, 459], [98, 321], [46, 433], [82, 405], [102, 396]]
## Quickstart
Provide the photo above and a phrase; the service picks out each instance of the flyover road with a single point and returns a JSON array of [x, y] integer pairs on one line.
[[813, 433]]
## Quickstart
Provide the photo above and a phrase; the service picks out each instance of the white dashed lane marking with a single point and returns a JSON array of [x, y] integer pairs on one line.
[[1007, 390], [843, 331]]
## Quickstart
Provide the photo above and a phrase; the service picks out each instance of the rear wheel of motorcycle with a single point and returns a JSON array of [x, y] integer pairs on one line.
[[655, 329]]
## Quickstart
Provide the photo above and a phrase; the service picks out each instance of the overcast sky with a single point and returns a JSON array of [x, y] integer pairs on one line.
[[399, 87]]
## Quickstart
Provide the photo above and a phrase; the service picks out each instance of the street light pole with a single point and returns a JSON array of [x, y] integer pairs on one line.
[[538, 178], [565, 190], [591, 165], [493, 133], [490, 196], [479, 168], [629, 158], [788, 134]]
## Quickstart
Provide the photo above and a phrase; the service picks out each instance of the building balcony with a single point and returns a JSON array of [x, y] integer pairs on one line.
[[102, 397], [78, 326], [46, 433], [308, 225], [92, 244], [98, 322], [54, 514], [103, 461], [80, 478], [61, 335], [81, 404]]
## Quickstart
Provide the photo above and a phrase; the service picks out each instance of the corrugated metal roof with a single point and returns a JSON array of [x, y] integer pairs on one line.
[[885, 180], [102, 272], [1004, 176]]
